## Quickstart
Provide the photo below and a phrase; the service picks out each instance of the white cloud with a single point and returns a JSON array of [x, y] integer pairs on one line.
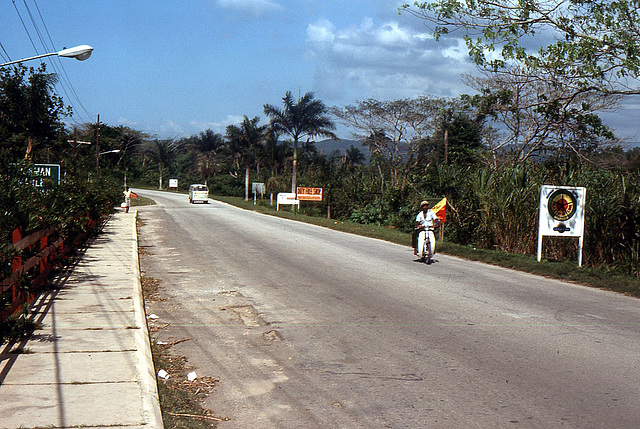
[[321, 33], [175, 129], [252, 7], [218, 126], [391, 35], [385, 61]]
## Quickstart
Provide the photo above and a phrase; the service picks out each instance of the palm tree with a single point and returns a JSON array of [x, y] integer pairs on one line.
[[276, 153], [305, 117], [353, 156], [207, 146], [243, 143], [162, 152]]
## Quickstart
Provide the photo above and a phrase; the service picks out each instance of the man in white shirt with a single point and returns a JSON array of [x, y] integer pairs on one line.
[[127, 199], [425, 221]]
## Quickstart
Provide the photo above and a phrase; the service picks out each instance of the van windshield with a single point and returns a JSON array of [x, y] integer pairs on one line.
[[200, 188]]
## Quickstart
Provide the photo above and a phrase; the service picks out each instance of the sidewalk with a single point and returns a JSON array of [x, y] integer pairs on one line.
[[90, 364]]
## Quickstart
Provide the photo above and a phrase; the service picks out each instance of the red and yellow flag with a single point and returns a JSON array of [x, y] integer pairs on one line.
[[440, 209]]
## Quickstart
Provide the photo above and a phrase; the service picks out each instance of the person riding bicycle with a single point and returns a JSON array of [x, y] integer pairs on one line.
[[425, 221]]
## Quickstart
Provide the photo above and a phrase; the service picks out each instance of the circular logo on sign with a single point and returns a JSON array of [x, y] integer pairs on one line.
[[562, 205]]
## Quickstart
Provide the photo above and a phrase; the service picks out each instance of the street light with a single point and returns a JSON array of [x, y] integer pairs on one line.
[[80, 53], [98, 160]]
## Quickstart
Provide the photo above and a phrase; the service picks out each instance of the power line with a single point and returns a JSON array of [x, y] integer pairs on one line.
[[25, 27], [5, 56], [64, 81], [64, 72]]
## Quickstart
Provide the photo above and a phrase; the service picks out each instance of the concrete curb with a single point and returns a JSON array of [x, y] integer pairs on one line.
[[150, 400]]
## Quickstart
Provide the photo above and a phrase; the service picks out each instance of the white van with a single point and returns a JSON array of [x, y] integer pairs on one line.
[[198, 193]]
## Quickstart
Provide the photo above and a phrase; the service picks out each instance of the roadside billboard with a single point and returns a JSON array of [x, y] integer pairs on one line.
[[309, 194]]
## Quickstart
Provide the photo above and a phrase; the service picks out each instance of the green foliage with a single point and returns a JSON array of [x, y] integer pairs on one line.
[[299, 119], [226, 185], [15, 328], [498, 209], [596, 48], [30, 111], [244, 146], [369, 214], [68, 206]]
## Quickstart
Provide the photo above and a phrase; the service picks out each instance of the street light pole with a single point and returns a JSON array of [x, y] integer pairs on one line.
[[80, 53], [98, 159], [98, 149]]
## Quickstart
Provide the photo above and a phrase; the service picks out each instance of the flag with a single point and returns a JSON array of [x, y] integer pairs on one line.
[[134, 195], [440, 208]]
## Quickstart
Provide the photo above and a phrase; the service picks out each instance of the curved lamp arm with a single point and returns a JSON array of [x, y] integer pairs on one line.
[[80, 53]]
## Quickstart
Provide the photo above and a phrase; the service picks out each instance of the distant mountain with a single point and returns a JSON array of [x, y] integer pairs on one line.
[[338, 147]]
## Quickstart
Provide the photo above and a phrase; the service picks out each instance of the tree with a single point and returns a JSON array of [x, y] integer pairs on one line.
[[208, 146], [396, 131], [353, 156], [304, 118], [540, 117], [595, 44], [29, 109], [276, 153], [128, 140], [244, 143], [461, 137], [162, 153]]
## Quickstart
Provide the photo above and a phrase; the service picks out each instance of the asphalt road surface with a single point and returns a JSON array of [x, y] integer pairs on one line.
[[311, 328]]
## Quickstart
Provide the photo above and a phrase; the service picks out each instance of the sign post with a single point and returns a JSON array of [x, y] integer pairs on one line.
[[561, 214]]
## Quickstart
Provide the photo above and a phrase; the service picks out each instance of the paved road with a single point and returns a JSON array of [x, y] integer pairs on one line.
[[311, 328]]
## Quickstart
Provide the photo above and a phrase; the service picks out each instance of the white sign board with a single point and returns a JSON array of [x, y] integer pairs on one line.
[[561, 214], [257, 188], [286, 198], [173, 183]]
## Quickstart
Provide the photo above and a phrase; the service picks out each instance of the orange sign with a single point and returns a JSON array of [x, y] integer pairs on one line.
[[309, 194]]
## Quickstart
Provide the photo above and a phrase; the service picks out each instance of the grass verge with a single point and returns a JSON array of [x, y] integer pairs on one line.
[[603, 278], [141, 201]]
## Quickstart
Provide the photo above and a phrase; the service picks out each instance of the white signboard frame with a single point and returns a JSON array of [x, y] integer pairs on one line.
[[257, 188], [286, 198], [173, 183], [561, 214]]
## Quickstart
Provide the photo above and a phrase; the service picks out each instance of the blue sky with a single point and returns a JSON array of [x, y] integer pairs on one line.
[[173, 69]]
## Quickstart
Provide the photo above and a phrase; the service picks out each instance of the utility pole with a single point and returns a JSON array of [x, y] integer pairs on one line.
[[446, 146], [98, 149], [74, 144]]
